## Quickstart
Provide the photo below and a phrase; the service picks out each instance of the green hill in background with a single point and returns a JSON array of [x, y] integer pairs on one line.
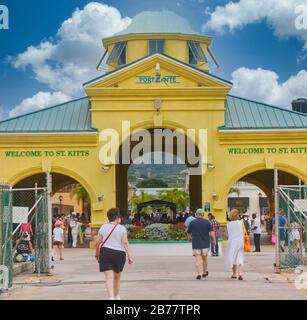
[[169, 173]]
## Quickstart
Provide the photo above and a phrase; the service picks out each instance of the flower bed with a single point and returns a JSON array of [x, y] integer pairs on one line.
[[157, 232]]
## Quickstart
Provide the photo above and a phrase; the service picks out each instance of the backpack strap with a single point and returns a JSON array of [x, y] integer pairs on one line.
[[98, 248], [109, 235]]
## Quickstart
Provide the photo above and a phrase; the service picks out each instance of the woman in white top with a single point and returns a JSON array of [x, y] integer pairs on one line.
[[74, 225], [111, 254], [235, 245], [58, 240]]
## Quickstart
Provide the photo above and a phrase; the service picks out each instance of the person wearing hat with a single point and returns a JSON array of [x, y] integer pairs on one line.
[[24, 249], [199, 231]]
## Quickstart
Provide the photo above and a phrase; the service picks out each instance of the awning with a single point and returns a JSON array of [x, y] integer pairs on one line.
[[240, 203], [156, 203]]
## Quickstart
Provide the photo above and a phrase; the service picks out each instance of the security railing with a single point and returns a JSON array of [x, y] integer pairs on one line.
[[32, 202], [6, 259], [292, 242], [18, 206]]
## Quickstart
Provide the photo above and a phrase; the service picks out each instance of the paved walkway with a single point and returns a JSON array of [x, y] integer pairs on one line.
[[160, 271]]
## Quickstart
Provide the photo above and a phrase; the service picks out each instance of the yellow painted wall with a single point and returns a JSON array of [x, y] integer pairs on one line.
[[197, 101], [67, 200], [136, 49]]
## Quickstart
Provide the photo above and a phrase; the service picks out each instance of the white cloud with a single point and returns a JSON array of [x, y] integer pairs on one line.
[[39, 101], [279, 14], [260, 84], [263, 85], [67, 61]]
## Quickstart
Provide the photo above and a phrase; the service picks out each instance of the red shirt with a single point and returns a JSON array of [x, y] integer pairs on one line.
[[26, 227], [138, 223]]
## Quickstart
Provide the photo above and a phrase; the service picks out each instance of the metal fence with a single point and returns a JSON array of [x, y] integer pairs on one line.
[[41, 234], [30, 205], [292, 240], [6, 259], [18, 206]]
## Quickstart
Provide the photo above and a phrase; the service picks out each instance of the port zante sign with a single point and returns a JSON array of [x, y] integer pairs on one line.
[[157, 79]]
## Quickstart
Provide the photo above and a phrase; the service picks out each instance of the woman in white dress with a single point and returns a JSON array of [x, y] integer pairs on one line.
[[235, 246], [74, 224]]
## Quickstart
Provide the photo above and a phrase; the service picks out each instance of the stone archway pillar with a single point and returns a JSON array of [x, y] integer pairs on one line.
[[195, 187], [121, 189]]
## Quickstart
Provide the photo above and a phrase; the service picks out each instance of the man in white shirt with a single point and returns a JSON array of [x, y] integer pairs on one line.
[[257, 232]]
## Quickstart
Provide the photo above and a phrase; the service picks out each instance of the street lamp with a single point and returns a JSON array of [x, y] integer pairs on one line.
[[61, 199]]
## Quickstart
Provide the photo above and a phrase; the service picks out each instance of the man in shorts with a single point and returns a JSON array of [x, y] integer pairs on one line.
[[199, 231]]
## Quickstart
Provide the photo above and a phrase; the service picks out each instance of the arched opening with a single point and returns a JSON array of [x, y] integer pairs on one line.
[[262, 225], [69, 197], [254, 193], [163, 187], [249, 198], [181, 156]]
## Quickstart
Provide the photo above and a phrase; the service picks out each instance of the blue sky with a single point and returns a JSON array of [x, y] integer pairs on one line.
[[260, 51]]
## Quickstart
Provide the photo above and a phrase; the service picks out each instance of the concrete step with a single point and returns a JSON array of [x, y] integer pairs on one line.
[[22, 267]]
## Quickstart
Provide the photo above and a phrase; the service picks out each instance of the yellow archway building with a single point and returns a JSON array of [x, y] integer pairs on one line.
[[157, 59]]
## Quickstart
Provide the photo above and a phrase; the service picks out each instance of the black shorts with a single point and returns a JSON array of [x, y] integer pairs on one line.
[[111, 259]]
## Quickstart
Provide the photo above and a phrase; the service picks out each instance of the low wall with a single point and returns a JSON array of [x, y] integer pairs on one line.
[[22, 267]]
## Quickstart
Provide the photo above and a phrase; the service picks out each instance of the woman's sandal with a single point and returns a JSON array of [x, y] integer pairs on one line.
[[233, 277], [240, 278], [205, 274]]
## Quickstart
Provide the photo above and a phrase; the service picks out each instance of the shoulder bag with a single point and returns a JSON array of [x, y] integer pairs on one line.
[[98, 249]]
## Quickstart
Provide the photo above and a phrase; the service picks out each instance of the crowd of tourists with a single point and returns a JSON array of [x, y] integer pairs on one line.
[[144, 219], [112, 246], [70, 229], [72, 225]]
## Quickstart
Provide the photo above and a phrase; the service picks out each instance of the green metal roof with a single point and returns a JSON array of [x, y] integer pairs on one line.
[[247, 114], [74, 116], [158, 22], [71, 116]]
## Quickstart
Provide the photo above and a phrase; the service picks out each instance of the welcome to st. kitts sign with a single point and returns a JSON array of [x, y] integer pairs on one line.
[[157, 79], [45, 153], [270, 150]]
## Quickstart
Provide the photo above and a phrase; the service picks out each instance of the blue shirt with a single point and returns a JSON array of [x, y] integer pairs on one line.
[[281, 220], [200, 230], [188, 221]]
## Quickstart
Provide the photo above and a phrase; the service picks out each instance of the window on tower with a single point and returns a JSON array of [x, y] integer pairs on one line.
[[118, 54], [196, 54], [155, 46]]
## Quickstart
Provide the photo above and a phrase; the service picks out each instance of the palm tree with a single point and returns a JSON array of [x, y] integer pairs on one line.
[[179, 197], [80, 194], [142, 197], [234, 190]]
